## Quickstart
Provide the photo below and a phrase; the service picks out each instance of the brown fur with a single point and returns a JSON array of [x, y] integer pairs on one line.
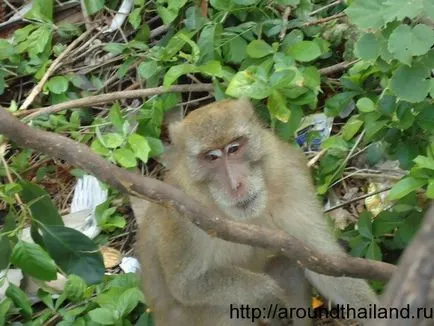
[[190, 277]]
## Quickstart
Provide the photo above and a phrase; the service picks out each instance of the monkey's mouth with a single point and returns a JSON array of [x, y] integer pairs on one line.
[[245, 203]]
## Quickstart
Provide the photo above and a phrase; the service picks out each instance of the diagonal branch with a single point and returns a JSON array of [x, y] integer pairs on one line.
[[83, 157]]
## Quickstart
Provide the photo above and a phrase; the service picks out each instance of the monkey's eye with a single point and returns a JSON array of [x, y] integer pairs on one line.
[[233, 148], [212, 155]]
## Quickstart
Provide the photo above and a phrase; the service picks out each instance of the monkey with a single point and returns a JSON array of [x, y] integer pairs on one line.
[[232, 164]]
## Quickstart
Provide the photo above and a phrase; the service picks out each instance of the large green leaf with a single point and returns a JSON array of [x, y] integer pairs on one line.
[[73, 252], [34, 261], [406, 42], [367, 47], [140, 146], [20, 299], [404, 187], [259, 49], [367, 13], [411, 83], [246, 83], [40, 204], [277, 106], [93, 6], [304, 51]]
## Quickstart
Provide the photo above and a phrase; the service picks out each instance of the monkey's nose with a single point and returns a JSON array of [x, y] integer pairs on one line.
[[238, 189]]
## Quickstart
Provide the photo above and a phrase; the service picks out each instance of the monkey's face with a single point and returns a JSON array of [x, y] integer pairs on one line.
[[224, 152], [234, 178]]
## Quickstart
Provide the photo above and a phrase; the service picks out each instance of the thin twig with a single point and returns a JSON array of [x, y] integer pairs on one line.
[[335, 3], [316, 158], [111, 97], [323, 20], [337, 67], [359, 139], [37, 89], [85, 13], [285, 17], [357, 199]]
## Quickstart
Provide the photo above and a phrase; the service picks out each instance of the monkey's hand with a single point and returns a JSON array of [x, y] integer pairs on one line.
[[225, 286]]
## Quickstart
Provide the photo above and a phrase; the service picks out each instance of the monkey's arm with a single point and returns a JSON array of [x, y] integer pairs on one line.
[[196, 279]]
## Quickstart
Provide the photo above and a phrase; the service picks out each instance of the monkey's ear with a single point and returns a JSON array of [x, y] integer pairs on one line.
[[175, 132]]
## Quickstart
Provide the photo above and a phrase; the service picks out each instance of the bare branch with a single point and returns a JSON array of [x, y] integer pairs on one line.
[[111, 97], [412, 285], [83, 157]]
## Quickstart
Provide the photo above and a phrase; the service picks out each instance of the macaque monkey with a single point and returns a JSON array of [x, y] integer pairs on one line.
[[230, 163]]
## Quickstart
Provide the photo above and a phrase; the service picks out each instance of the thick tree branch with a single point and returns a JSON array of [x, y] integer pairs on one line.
[[413, 284], [83, 157]]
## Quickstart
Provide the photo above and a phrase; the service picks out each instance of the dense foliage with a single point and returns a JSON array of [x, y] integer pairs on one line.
[[366, 63]]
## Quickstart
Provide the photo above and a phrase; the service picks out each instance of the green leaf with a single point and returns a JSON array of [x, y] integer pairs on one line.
[[148, 69], [424, 162], [93, 6], [175, 72], [359, 245], [74, 252], [5, 251], [102, 316], [373, 127], [135, 18], [374, 251], [304, 51], [125, 157], [335, 142], [281, 79], [115, 48], [245, 83], [20, 299], [40, 204], [384, 223], [365, 225], [235, 49], [99, 148], [116, 118], [406, 42], [338, 103], [277, 106], [33, 260], [128, 300], [156, 146], [365, 104], [367, 47], [351, 128], [404, 187], [193, 18], [58, 84], [112, 140], [41, 10], [411, 83], [366, 13], [140, 146], [75, 288], [259, 49], [5, 305], [430, 189]]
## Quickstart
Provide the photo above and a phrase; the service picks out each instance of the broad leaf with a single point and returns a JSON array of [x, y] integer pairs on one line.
[[74, 252], [34, 261], [404, 187]]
